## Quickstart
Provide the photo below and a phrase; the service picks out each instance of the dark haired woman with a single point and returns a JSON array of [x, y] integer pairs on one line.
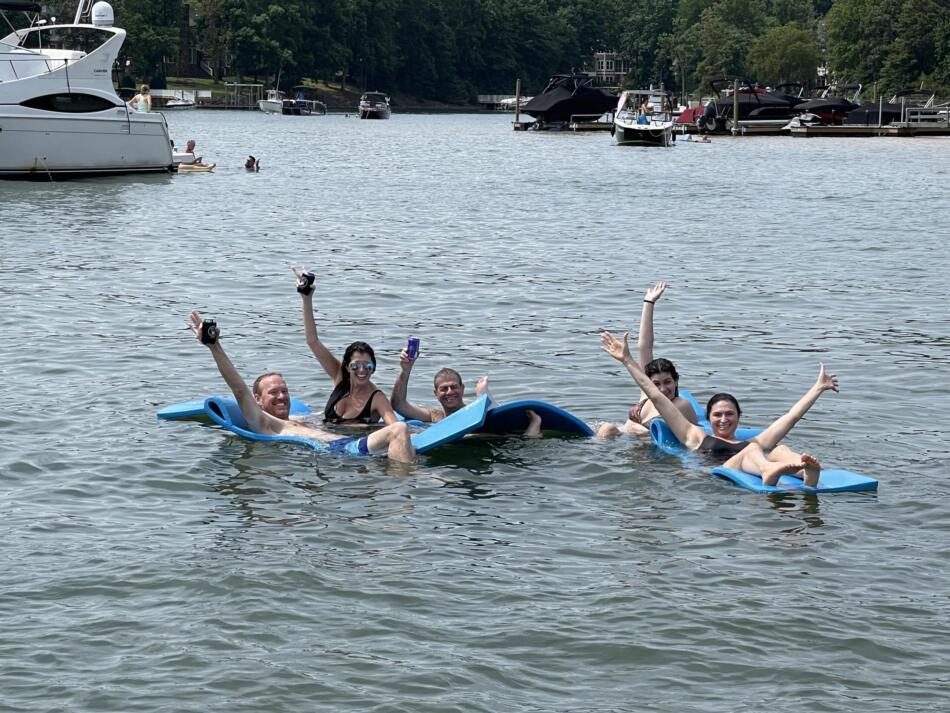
[[355, 400], [760, 455], [661, 372]]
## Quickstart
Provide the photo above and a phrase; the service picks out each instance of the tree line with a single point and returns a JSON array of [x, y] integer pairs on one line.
[[451, 50]]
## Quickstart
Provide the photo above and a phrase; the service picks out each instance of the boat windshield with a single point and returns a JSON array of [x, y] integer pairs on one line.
[[66, 37], [374, 97]]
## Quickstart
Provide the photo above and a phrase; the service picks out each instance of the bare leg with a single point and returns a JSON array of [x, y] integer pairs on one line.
[[608, 430], [534, 424], [752, 459], [395, 440]]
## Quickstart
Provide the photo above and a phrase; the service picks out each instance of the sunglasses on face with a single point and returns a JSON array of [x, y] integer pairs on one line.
[[368, 365]]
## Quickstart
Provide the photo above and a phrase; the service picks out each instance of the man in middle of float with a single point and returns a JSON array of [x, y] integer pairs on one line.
[[449, 392]]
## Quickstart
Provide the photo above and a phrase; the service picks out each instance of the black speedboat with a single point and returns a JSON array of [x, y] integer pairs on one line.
[[567, 98], [758, 106], [834, 104], [907, 104]]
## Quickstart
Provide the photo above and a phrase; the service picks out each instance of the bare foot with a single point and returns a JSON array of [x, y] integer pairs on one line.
[[775, 471], [534, 424], [811, 470]]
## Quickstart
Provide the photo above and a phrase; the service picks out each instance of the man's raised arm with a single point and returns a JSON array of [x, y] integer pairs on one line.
[[256, 418], [398, 398]]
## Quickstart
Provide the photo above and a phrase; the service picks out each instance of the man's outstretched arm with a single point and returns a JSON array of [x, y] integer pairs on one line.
[[256, 418]]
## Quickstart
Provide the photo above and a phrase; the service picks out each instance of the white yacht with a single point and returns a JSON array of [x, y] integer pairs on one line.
[[59, 112]]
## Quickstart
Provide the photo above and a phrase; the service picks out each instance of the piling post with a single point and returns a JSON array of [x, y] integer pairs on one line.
[[880, 108], [735, 107], [518, 101]]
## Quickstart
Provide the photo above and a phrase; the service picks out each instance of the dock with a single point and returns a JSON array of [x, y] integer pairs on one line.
[[904, 129]]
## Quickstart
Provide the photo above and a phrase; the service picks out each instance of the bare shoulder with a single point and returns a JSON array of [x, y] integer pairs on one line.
[[686, 408]]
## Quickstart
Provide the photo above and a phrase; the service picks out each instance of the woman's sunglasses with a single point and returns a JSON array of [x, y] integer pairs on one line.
[[368, 365]]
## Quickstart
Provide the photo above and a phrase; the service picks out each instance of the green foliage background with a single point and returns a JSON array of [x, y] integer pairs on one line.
[[452, 49]]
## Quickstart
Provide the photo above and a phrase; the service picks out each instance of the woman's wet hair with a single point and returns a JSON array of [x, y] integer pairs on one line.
[[722, 397], [660, 366]]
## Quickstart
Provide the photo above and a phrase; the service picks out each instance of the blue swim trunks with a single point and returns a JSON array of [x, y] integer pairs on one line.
[[350, 446]]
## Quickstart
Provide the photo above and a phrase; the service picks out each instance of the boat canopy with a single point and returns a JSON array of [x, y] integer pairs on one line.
[[24, 5]]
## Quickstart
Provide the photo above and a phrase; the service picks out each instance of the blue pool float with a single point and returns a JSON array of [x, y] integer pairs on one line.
[[832, 480], [512, 418], [226, 413]]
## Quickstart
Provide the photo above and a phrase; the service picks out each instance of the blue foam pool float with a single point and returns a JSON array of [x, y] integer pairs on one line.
[[512, 418], [832, 480], [226, 413]]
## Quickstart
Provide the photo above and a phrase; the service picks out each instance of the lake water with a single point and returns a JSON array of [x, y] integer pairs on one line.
[[168, 567]]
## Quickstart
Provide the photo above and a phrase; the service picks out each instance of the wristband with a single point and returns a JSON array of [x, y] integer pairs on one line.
[[652, 302]]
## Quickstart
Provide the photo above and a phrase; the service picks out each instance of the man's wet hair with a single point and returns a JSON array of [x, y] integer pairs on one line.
[[256, 389], [442, 373]]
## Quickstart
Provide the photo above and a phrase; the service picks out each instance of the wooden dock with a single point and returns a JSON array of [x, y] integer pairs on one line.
[[898, 129]]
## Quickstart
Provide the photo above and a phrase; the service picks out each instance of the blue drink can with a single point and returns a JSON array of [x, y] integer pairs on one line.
[[412, 348]]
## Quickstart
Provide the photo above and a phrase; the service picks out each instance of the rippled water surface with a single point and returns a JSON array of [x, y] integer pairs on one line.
[[168, 567]]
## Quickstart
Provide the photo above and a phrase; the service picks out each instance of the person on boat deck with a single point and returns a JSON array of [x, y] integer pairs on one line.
[[761, 455], [449, 391], [142, 101], [644, 112], [355, 400], [266, 408], [661, 372]]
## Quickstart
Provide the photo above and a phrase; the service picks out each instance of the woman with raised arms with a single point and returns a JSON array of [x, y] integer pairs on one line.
[[761, 455], [355, 400], [662, 373]]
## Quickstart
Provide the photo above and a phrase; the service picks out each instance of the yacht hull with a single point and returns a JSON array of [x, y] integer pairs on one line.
[[109, 142]]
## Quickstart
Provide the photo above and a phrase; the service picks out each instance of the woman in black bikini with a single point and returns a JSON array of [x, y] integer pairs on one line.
[[762, 455], [355, 400]]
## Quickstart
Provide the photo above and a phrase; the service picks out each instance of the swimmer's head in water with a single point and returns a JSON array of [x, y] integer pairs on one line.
[[449, 389], [271, 393], [663, 374]]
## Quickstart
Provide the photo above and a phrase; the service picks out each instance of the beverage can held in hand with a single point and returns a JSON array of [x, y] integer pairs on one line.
[[412, 348]]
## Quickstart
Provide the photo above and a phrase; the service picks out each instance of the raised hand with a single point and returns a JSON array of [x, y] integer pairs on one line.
[[826, 382], [655, 292], [304, 285], [617, 348], [404, 361], [194, 324]]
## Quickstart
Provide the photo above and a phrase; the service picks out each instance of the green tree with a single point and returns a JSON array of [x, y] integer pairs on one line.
[[860, 33], [152, 29], [785, 54], [648, 21], [912, 57]]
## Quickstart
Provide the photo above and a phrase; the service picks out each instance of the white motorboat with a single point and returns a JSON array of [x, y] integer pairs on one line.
[[643, 118], [273, 103], [59, 112], [277, 103], [179, 104]]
